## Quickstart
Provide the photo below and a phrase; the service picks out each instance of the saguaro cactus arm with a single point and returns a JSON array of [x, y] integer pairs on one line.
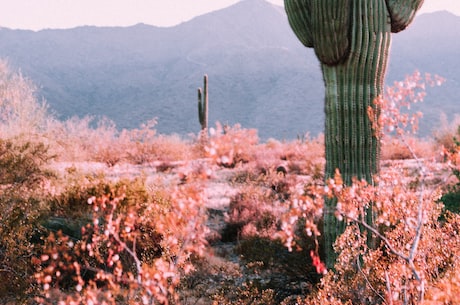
[[323, 25], [299, 17], [402, 12], [328, 30], [331, 30]]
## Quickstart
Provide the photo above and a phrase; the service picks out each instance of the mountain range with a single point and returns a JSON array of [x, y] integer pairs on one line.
[[259, 73]]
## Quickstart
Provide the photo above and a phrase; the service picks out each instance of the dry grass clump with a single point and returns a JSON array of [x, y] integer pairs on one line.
[[20, 112], [394, 148], [164, 148], [299, 157], [231, 146], [448, 133], [86, 139]]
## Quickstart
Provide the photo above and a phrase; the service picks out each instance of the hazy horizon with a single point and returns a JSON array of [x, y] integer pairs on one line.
[[62, 14]]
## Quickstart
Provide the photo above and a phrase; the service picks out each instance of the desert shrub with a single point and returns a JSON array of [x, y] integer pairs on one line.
[[297, 157], [139, 142], [393, 148], [92, 139], [230, 146], [408, 250], [68, 210], [254, 219], [85, 139], [447, 289], [143, 145], [413, 251], [23, 195], [162, 148], [448, 133], [134, 249], [22, 164], [270, 257], [79, 139], [256, 209], [247, 293], [250, 212], [20, 111], [451, 197]]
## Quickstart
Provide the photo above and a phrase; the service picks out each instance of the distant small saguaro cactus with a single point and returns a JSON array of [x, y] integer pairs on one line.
[[203, 105]]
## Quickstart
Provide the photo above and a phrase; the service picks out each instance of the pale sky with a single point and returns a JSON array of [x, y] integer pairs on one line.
[[42, 14]]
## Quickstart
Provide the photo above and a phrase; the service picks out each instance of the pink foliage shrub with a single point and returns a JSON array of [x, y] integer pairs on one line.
[[131, 252]]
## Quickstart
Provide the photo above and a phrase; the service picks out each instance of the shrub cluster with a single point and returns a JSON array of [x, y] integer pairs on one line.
[[23, 197], [133, 250]]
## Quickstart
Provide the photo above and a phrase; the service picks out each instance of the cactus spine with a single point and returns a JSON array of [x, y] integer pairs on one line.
[[203, 105], [351, 38]]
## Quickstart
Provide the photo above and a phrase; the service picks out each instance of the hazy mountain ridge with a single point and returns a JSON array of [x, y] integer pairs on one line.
[[259, 74]]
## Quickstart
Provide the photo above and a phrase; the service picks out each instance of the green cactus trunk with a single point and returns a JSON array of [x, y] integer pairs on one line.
[[352, 146], [203, 105], [351, 38]]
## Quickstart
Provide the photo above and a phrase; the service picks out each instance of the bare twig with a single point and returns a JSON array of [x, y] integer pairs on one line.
[[389, 292], [419, 228], [408, 258], [367, 281], [377, 234]]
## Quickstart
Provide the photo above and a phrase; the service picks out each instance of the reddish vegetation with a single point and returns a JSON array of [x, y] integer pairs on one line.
[[133, 217]]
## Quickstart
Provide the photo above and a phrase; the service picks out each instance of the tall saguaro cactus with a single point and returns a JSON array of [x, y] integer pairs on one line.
[[203, 104], [351, 39]]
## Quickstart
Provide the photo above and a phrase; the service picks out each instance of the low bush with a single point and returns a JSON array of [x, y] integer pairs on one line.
[[231, 146], [448, 133], [24, 192], [21, 113], [451, 196], [393, 148], [88, 139], [133, 250], [413, 251], [246, 293]]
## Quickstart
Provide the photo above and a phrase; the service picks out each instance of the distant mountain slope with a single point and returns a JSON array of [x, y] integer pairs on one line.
[[259, 74]]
